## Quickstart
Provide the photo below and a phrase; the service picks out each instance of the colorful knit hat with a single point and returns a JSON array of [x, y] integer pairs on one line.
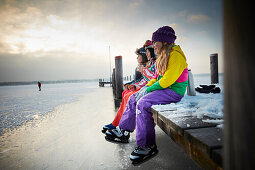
[[147, 44], [164, 34]]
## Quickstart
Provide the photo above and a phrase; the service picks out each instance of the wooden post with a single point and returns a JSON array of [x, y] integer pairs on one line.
[[99, 82], [113, 82], [214, 68], [239, 85], [118, 77], [191, 87]]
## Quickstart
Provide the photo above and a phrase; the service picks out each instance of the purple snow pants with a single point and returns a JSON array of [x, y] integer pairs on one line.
[[138, 114]]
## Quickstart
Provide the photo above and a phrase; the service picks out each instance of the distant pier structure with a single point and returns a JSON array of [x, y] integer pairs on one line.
[[102, 82], [116, 81]]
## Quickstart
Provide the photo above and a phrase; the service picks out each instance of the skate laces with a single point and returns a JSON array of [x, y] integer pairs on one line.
[[119, 131], [139, 148]]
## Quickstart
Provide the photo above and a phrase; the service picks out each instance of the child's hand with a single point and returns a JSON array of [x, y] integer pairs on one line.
[[125, 86], [131, 87], [140, 68]]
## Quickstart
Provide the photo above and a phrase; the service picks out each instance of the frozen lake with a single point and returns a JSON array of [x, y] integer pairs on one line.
[[22, 103], [70, 137], [60, 128], [19, 104]]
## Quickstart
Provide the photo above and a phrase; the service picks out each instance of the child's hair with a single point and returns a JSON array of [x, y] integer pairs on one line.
[[163, 58], [152, 53], [148, 46], [153, 57], [144, 58]]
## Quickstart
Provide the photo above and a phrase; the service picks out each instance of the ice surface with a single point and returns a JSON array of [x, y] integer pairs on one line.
[[19, 104]]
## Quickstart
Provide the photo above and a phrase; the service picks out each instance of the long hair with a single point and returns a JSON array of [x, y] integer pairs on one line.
[[152, 53], [153, 57], [163, 58], [144, 58]]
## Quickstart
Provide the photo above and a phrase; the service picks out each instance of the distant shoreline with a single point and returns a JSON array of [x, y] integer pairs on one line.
[[46, 82], [68, 81]]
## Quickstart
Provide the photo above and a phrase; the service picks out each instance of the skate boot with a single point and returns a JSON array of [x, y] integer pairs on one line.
[[117, 135], [141, 154], [108, 127]]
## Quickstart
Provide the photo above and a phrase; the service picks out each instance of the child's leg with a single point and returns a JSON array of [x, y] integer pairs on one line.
[[125, 92], [145, 132], [122, 108], [127, 121]]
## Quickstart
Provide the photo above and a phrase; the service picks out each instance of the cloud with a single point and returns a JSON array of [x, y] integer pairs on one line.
[[179, 14], [54, 65], [34, 33], [202, 32], [135, 3], [178, 28], [14, 22], [198, 18], [70, 27], [14, 19]]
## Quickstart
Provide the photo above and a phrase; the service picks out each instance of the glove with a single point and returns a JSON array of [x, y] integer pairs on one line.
[[141, 93], [132, 87]]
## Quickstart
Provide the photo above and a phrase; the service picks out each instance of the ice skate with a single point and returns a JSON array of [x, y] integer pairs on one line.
[[117, 135], [108, 127], [140, 154]]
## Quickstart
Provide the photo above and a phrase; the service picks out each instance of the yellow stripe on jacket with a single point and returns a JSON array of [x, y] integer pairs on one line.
[[176, 65]]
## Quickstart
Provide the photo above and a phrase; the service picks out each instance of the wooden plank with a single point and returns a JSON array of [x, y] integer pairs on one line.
[[179, 124], [154, 115], [217, 156], [205, 139], [202, 158]]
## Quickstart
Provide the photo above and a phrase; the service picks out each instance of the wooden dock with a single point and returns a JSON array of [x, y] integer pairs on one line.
[[102, 82], [200, 140]]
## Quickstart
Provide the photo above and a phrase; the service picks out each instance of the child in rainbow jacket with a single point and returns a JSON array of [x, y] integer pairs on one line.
[[147, 72]]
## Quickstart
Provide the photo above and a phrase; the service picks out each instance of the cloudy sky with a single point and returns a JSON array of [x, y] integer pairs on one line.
[[70, 39]]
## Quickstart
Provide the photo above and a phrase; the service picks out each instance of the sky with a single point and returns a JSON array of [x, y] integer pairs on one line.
[[79, 39]]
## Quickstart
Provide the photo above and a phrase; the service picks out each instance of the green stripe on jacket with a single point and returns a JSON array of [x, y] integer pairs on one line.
[[179, 88]]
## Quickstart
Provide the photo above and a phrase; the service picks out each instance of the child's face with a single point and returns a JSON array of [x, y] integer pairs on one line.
[[139, 59], [157, 46], [148, 54]]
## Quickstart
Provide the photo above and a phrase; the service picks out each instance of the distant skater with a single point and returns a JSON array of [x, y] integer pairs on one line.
[[39, 85]]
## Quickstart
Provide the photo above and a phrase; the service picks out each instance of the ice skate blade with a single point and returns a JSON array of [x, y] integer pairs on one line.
[[104, 131], [145, 159], [109, 139]]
